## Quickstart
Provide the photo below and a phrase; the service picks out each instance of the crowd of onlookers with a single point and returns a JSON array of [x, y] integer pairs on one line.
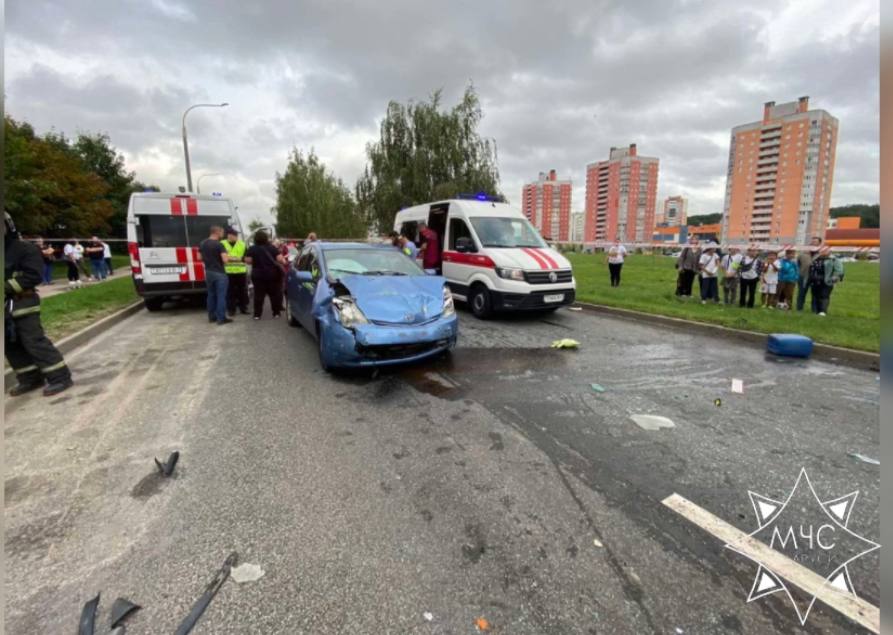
[[783, 279], [76, 256]]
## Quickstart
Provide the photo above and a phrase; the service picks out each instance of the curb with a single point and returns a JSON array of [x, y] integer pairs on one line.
[[862, 360], [71, 342]]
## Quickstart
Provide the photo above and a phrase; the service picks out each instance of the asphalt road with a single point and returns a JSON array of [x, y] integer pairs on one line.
[[495, 483]]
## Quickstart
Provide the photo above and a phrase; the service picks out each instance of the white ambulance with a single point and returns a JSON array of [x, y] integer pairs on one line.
[[491, 256], [163, 235]]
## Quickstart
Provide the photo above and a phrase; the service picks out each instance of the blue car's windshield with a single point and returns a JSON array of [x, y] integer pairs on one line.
[[370, 262], [501, 231]]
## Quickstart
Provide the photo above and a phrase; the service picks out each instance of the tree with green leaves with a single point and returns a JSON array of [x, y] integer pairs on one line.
[[870, 214], [48, 189], [424, 154], [311, 199], [254, 225]]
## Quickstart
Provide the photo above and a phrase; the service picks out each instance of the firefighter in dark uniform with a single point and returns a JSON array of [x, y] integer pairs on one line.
[[30, 353]]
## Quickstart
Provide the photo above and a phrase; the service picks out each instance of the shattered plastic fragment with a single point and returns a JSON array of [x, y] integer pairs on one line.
[[482, 624], [864, 459], [597, 542], [597, 387], [429, 617], [574, 308], [738, 386], [87, 624], [565, 343], [120, 610], [210, 591], [652, 422], [246, 573], [167, 468], [717, 402]]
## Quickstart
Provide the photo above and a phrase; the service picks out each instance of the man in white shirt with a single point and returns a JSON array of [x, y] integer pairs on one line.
[[616, 255], [70, 254], [708, 265], [107, 256], [749, 271], [729, 265]]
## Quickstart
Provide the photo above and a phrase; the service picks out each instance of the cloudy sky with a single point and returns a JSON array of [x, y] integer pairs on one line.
[[560, 83]]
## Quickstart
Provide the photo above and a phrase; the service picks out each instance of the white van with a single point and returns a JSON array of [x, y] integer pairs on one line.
[[163, 235], [491, 256]]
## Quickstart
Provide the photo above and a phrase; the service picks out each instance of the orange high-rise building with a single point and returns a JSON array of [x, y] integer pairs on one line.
[[620, 197], [675, 211], [547, 205], [780, 174]]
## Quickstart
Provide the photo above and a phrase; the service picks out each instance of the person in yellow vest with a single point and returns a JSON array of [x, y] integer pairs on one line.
[[237, 272]]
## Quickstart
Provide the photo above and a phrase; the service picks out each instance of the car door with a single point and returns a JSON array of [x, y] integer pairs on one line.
[[458, 267], [306, 291]]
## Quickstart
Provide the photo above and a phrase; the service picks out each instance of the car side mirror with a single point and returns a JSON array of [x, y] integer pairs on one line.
[[303, 276], [464, 245]]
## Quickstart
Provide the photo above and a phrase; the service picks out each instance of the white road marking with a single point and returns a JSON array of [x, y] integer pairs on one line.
[[854, 608]]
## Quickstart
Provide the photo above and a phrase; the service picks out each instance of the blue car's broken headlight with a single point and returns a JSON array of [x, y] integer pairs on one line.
[[448, 306], [347, 312]]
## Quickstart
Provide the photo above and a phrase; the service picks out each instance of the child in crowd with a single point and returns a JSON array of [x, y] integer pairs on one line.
[[769, 282], [788, 275]]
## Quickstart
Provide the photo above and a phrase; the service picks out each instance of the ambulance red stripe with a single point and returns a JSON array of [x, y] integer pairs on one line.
[[192, 206], [181, 260], [176, 207], [539, 259], [476, 260], [548, 258], [197, 266]]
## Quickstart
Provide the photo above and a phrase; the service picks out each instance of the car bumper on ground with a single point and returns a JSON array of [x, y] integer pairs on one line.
[[375, 345], [535, 301]]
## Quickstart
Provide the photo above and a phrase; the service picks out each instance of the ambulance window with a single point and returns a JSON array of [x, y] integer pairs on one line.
[[156, 230], [410, 229], [199, 227], [458, 229]]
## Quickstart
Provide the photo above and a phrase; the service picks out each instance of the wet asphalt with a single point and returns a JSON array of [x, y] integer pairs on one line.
[[493, 483]]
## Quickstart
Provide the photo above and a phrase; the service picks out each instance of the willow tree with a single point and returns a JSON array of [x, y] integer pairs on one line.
[[426, 153], [310, 199]]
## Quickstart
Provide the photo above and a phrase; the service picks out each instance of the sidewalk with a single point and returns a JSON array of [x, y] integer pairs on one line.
[[60, 285]]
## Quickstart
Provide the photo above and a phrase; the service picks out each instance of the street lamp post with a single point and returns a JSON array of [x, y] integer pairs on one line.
[[198, 183], [186, 143]]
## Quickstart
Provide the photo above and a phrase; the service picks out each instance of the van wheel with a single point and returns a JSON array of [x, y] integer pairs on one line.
[[289, 316], [480, 302], [153, 303]]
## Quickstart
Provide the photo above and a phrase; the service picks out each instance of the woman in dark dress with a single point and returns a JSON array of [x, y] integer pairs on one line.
[[267, 267]]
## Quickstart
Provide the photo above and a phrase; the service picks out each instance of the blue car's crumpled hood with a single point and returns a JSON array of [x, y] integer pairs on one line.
[[397, 299]]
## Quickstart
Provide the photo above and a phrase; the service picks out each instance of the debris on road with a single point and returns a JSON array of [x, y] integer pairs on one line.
[[597, 387], [247, 573], [738, 386], [482, 624], [863, 458], [87, 624], [652, 422], [167, 468], [574, 308], [210, 591], [597, 543], [429, 617], [789, 345], [566, 343], [121, 608], [717, 402]]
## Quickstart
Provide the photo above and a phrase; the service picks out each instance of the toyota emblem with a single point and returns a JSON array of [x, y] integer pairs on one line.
[[553, 277]]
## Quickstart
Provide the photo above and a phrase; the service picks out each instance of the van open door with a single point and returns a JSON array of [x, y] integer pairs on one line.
[[437, 220]]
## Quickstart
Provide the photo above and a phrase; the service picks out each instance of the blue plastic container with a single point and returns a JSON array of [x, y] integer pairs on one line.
[[790, 345]]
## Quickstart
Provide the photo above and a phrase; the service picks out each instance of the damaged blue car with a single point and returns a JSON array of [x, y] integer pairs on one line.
[[369, 305]]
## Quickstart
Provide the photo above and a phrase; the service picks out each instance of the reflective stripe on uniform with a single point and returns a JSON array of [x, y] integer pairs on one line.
[[28, 310], [15, 285], [50, 369], [26, 369]]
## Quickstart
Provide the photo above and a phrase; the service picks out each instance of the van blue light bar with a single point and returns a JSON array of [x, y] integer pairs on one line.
[[480, 196]]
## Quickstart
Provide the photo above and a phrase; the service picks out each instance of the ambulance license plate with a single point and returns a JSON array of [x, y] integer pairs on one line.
[[161, 271], [557, 297]]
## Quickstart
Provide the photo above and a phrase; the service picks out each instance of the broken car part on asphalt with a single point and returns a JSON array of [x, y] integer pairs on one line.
[[120, 610], [246, 573], [863, 458], [652, 422], [210, 591], [167, 468], [87, 624], [789, 345], [566, 343]]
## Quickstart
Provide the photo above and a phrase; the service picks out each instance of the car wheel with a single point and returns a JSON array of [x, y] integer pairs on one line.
[[289, 316], [481, 305], [321, 344], [153, 304]]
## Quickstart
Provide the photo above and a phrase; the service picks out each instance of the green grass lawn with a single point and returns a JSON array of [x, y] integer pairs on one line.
[[648, 284], [69, 311], [60, 267]]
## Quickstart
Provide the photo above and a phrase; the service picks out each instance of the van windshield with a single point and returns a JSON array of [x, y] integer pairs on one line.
[[160, 230], [500, 231]]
